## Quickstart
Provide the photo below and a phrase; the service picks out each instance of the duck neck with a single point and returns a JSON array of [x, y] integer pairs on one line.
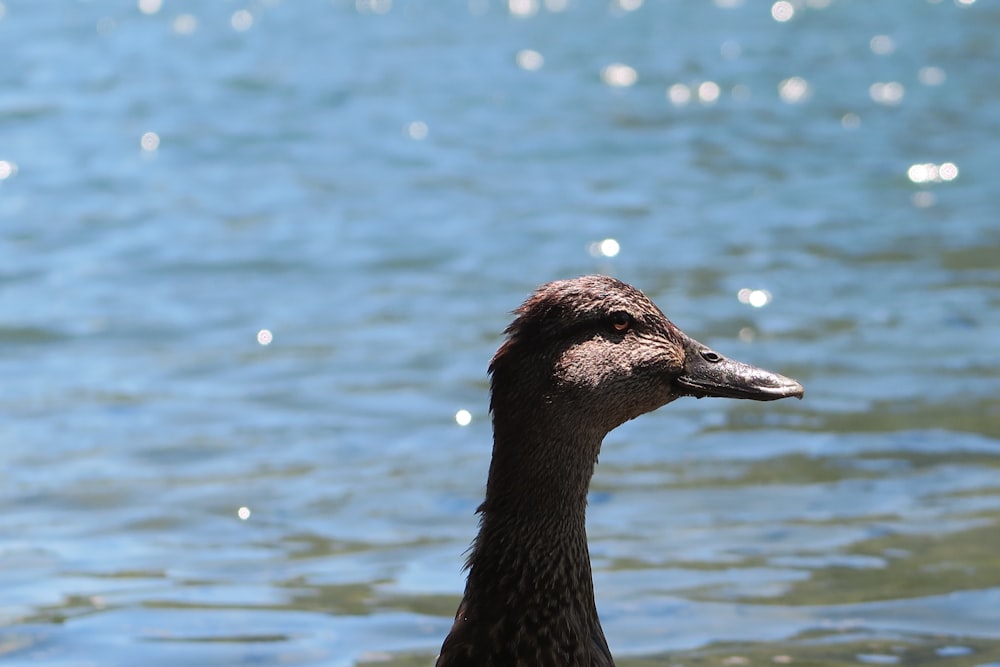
[[530, 583]]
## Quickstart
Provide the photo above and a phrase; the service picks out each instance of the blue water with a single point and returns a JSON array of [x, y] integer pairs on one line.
[[375, 185]]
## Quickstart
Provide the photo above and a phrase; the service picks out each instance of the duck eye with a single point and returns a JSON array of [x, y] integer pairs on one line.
[[711, 357], [621, 321]]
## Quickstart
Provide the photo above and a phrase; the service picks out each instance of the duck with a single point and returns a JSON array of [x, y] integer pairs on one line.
[[581, 357]]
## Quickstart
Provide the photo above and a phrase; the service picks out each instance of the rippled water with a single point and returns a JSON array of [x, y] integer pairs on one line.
[[376, 185]]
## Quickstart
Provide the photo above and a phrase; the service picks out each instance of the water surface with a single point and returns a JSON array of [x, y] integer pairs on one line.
[[376, 185]]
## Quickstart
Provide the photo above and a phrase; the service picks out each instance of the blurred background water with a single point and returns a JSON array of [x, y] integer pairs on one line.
[[255, 257]]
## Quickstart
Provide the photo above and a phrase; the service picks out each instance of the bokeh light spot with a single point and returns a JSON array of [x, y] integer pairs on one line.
[[758, 298], [374, 6], [241, 20], [882, 45], [708, 92], [7, 169], [921, 173], [150, 7], [889, 93], [929, 172], [185, 24], [931, 76], [417, 130], [264, 337], [793, 90], [605, 248], [463, 417], [629, 5], [523, 8], [948, 171], [150, 141], [618, 75], [243, 513], [679, 94], [530, 60], [782, 11]]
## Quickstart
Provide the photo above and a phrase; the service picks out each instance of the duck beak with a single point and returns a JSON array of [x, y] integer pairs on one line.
[[708, 373]]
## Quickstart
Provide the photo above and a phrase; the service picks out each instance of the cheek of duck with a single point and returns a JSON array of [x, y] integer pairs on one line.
[[592, 367], [650, 381], [612, 383]]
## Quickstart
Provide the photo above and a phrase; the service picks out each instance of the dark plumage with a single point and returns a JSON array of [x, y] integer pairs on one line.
[[582, 357]]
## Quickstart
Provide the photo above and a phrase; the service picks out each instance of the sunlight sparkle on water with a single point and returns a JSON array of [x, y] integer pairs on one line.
[[417, 130], [243, 513], [264, 337], [931, 76], [679, 94], [373, 6], [628, 5], [889, 93], [523, 8], [530, 60], [185, 24], [7, 169], [463, 417], [708, 92], [150, 141], [241, 20], [758, 298], [782, 11], [605, 248], [149, 7], [882, 45], [928, 172], [793, 90], [618, 75]]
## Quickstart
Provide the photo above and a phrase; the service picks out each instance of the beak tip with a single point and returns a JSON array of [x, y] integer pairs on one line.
[[794, 390], [783, 388]]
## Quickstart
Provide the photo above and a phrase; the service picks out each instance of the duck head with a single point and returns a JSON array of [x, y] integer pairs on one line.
[[603, 351]]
